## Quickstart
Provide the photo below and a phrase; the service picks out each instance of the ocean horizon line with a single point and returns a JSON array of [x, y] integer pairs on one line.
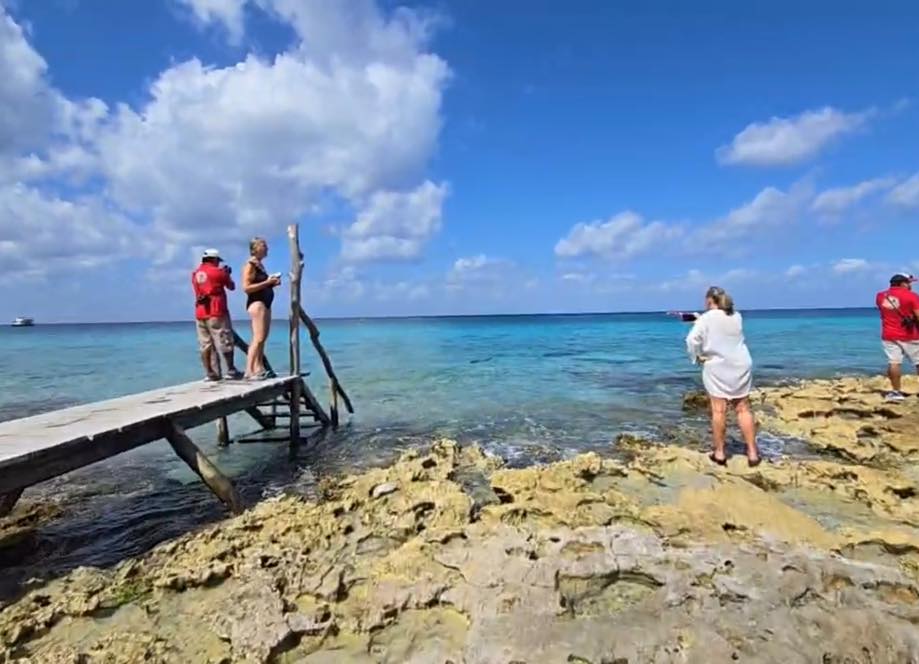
[[658, 312]]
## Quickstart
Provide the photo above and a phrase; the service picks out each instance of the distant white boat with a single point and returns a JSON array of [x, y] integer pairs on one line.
[[23, 321]]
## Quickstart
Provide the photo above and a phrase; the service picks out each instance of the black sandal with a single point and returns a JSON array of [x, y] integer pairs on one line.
[[753, 463], [720, 462]]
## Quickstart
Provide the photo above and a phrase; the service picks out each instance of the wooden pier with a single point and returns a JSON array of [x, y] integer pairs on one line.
[[38, 448]]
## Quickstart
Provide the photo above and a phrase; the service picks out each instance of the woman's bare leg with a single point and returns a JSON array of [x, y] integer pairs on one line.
[[267, 323], [254, 362], [719, 425], [747, 423]]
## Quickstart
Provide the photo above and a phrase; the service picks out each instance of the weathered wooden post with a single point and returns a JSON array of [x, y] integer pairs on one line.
[[296, 271], [337, 389], [223, 432], [190, 454], [333, 403]]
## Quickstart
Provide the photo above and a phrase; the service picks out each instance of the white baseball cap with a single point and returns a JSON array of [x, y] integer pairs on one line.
[[211, 253]]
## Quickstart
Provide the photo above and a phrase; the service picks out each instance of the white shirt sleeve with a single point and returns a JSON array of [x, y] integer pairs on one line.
[[695, 340]]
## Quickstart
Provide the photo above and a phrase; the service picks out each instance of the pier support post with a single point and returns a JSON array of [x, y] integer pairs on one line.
[[296, 271], [313, 330], [333, 403], [207, 471], [223, 432], [263, 421], [8, 501], [312, 404]]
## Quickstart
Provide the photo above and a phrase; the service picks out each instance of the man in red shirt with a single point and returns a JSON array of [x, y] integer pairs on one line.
[[899, 307], [212, 316]]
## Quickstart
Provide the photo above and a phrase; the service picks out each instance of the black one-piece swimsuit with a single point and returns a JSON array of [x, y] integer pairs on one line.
[[265, 295]]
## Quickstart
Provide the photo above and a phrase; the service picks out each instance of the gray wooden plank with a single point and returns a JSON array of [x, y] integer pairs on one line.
[[37, 448], [44, 462], [48, 430]]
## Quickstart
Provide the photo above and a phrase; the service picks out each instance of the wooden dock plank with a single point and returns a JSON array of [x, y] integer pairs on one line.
[[36, 448]]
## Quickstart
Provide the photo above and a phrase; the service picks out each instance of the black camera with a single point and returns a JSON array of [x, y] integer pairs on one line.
[[227, 269]]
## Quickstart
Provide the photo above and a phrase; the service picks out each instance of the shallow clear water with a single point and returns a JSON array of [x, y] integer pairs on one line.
[[531, 388]]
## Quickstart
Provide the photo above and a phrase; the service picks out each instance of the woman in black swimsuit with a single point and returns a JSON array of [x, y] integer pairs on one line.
[[259, 289]]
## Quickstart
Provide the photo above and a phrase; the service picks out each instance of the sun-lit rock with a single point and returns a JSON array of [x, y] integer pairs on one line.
[[650, 554]]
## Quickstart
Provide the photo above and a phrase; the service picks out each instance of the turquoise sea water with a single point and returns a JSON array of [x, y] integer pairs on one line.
[[530, 388]]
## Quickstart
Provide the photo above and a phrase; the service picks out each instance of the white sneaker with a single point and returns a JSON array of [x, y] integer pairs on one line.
[[894, 397]]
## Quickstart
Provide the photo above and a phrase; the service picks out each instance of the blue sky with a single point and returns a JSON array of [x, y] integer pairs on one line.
[[458, 157]]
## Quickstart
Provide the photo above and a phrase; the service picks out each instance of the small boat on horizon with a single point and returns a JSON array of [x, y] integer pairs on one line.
[[23, 321]]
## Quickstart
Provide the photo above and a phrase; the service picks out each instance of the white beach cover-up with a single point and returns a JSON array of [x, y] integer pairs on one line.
[[718, 339]]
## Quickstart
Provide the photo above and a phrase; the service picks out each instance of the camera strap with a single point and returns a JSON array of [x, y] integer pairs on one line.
[[905, 320]]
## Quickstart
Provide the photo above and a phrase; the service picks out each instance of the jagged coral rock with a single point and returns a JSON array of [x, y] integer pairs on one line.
[[848, 417], [656, 557]]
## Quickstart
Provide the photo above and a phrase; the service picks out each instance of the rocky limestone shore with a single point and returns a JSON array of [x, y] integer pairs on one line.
[[652, 555]]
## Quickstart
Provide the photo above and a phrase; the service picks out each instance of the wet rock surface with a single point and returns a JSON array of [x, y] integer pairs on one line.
[[446, 556], [19, 529]]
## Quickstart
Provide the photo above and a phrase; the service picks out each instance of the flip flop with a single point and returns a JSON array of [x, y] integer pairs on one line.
[[261, 375], [753, 463], [720, 462]]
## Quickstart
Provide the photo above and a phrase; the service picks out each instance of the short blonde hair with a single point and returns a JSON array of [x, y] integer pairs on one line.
[[254, 244], [721, 299]]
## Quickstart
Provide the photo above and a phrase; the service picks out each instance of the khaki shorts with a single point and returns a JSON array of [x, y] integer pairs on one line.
[[896, 350], [215, 333]]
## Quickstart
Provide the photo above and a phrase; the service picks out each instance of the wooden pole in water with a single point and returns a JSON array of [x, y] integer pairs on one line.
[[263, 420], [313, 329], [207, 471], [333, 403], [296, 271], [223, 432], [312, 403]]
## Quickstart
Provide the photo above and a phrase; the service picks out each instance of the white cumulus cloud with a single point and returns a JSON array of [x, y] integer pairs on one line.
[[41, 131], [481, 270], [346, 118], [255, 146], [41, 233], [228, 13], [770, 210], [849, 265], [27, 104], [395, 225], [906, 194], [786, 141], [837, 200], [623, 236]]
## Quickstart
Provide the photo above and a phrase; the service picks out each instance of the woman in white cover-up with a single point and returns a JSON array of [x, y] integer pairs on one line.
[[717, 342]]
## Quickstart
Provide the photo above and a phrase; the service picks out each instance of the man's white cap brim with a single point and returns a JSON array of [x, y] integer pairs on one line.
[[211, 253]]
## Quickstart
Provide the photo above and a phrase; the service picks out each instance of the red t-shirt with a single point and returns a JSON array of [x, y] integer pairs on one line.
[[895, 304], [209, 281]]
